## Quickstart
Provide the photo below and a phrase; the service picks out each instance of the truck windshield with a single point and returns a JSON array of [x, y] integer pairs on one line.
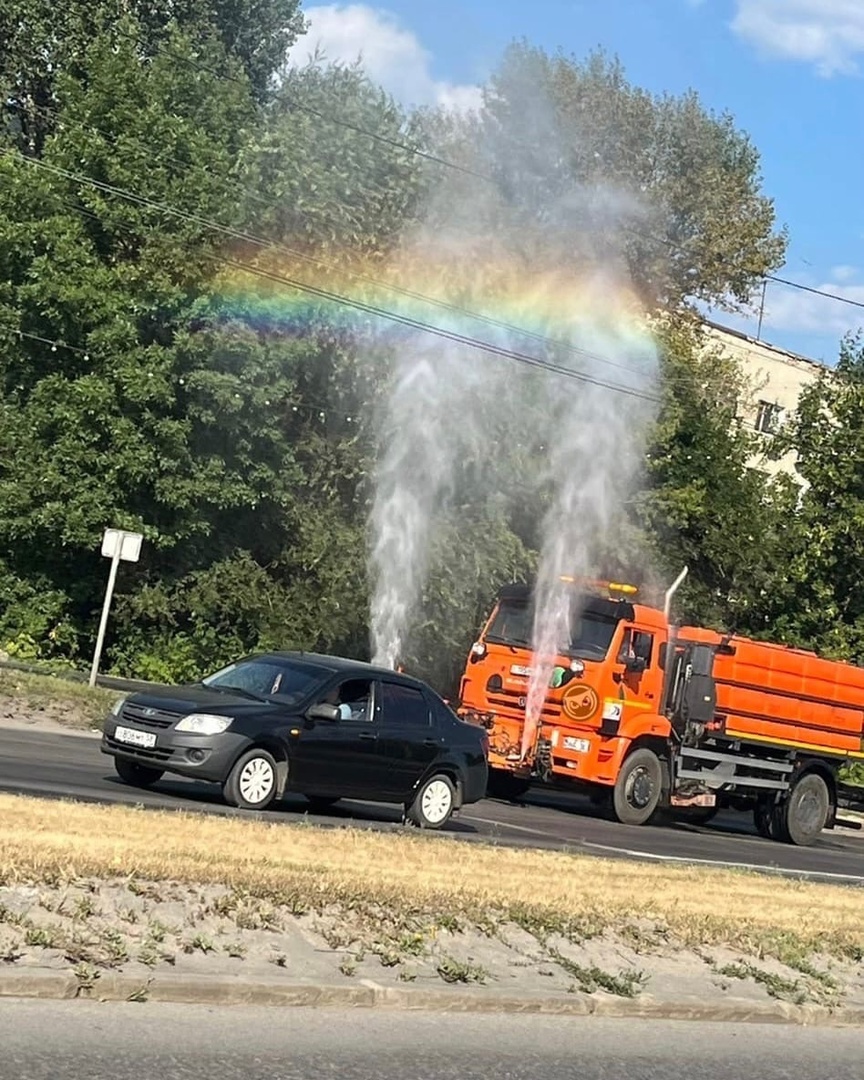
[[591, 631]]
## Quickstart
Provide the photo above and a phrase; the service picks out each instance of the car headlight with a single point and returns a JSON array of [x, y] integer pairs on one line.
[[117, 707], [204, 724]]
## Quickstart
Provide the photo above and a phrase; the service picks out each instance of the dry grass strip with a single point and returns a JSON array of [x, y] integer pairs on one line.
[[304, 866]]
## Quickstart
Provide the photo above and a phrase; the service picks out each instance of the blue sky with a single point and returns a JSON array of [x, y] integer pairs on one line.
[[791, 72]]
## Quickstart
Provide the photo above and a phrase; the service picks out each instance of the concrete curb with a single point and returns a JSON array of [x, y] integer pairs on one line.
[[367, 994]]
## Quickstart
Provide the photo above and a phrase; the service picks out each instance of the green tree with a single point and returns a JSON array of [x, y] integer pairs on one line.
[[44, 43], [704, 504], [818, 599], [590, 170]]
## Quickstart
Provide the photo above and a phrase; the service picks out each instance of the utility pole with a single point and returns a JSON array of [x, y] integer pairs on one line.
[[761, 309]]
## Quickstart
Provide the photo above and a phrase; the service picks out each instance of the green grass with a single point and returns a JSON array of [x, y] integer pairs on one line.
[[24, 695]]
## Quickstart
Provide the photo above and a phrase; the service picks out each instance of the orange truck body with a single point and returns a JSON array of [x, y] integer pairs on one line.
[[732, 722]]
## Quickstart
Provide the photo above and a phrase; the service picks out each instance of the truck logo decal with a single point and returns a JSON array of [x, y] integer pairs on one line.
[[579, 701]]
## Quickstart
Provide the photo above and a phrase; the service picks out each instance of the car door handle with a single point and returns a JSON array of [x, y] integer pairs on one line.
[[368, 735], [430, 742]]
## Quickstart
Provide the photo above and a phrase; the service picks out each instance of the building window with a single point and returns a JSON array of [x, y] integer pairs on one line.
[[769, 417]]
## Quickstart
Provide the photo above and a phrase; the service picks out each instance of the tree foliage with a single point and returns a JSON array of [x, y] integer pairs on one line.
[[818, 600], [574, 150], [157, 373]]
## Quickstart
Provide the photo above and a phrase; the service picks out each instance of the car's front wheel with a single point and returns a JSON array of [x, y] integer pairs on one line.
[[130, 772], [252, 784], [433, 803]]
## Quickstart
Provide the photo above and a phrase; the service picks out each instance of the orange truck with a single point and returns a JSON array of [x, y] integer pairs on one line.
[[645, 715]]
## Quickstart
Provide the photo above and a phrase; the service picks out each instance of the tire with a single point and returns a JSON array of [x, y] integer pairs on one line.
[[805, 811], [252, 782], [130, 772], [433, 803], [763, 819], [503, 785], [638, 789], [321, 802]]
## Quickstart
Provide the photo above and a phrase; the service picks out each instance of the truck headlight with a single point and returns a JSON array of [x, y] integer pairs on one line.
[[204, 724]]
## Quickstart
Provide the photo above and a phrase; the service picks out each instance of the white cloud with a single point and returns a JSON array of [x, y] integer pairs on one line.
[[806, 312], [390, 53], [826, 33]]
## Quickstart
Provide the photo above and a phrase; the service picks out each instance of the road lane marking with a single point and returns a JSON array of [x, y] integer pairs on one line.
[[681, 859], [726, 865]]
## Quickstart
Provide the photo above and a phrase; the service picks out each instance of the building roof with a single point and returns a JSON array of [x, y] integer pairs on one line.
[[783, 353]]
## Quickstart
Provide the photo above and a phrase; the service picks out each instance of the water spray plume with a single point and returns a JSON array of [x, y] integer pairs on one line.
[[591, 467], [532, 267]]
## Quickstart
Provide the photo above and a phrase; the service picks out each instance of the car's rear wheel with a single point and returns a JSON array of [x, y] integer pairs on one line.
[[433, 803], [130, 772], [252, 783]]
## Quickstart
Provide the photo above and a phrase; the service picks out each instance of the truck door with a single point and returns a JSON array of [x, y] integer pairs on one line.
[[641, 679]]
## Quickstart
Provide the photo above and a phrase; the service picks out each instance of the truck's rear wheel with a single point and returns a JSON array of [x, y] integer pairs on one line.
[[804, 813], [638, 788], [763, 818]]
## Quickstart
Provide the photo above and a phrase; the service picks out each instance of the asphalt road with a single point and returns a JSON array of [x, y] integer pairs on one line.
[[77, 1040], [56, 765]]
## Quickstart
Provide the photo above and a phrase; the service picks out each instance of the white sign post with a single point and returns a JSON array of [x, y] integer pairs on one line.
[[117, 545]]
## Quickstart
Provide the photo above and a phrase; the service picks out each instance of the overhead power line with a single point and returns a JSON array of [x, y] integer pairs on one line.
[[467, 170], [438, 160], [333, 297], [399, 290]]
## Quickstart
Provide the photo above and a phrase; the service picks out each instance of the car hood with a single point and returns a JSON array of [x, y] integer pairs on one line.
[[189, 699]]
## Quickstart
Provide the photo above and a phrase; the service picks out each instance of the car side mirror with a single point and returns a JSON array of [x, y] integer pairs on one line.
[[323, 711]]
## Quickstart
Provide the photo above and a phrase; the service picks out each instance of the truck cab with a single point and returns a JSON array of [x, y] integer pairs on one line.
[[606, 688]]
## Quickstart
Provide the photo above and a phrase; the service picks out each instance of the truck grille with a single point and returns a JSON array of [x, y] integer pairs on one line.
[[509, 700], [147, 716]]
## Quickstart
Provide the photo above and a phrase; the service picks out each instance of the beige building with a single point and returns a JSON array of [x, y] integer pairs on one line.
[[776, 378]]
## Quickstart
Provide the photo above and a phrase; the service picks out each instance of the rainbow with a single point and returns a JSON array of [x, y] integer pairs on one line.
[[597, 323]]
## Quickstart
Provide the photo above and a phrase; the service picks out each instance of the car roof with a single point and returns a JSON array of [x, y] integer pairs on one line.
[[343, 664]]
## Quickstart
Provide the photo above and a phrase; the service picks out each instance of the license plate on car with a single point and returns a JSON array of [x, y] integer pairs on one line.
[[144, 739]]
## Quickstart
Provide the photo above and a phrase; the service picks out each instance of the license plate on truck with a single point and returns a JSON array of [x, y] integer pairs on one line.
[[145, 739], [579, 746]]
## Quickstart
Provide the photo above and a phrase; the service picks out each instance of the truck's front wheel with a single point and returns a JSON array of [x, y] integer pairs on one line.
[[638, 788]]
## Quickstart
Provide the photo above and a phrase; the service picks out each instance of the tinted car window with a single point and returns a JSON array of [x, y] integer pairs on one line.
[[404, 705], [283, 680]]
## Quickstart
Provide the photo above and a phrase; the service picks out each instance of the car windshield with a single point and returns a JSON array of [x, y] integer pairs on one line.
[[289, 681], [591, 632]]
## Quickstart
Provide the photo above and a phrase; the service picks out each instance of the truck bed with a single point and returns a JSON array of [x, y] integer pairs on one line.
[[789, 697]]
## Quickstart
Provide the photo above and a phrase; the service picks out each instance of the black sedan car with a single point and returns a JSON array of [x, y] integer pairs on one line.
[[322, 726]]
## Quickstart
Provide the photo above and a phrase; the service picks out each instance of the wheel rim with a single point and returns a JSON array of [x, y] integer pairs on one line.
[[256, 780], [809, 812], [436, 801], [640, 788]]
